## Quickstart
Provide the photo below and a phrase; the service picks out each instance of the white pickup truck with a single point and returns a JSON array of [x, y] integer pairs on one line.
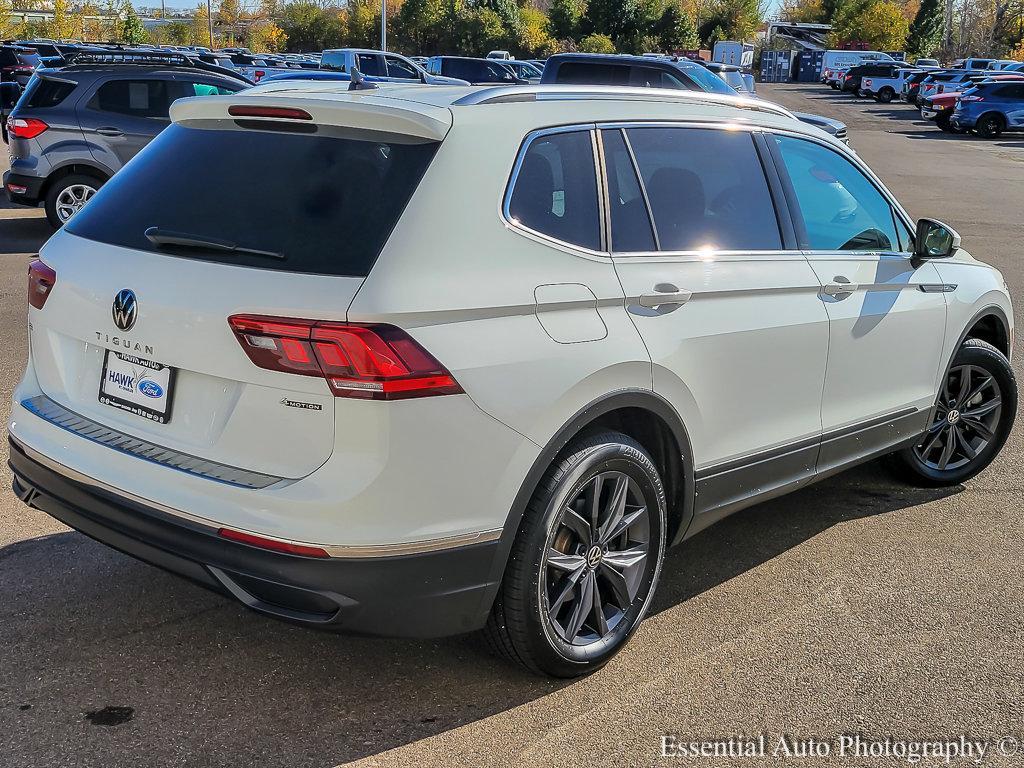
[[885, 89]]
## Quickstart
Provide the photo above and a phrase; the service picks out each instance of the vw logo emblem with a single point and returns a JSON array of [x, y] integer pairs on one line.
[[953, 416], [594, 556], [125, 310]]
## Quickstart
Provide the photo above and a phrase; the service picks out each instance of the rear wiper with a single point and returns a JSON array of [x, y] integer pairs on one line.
[[160, 237]]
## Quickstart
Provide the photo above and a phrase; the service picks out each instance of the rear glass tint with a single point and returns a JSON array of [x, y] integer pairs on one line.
[[324, 204], [43, 94]]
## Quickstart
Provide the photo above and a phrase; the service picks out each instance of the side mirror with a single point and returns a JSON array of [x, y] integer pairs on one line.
[[10, 92], [935, 240]]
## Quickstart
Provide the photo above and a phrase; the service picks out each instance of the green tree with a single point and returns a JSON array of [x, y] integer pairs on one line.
[[133, 31], [925, 33], [419, 26], [566, 17], [597, 43], [878, 24], [264, 36], [310, 27], [676, 30], [535, 33]]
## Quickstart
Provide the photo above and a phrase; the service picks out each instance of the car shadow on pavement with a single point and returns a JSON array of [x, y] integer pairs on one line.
[[23, 234], [93, 637]]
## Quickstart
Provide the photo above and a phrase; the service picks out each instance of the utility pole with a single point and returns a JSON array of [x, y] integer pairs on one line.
[[209, 21], [947, 27], [383, 25]]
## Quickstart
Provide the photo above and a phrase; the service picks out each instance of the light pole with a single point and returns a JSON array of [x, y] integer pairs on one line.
[[209, 21], [383, 25]]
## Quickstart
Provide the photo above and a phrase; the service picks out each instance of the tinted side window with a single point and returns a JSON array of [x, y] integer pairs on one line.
[[631, 226], [206, 89], [649, 77], [842, 210], [555, 190], [369, 64], [47, 93], [399, 68], [706, 188], [141, 98], [592, 74]]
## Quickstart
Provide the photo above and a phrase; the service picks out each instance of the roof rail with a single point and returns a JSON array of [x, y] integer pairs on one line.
[[505, 94], [164, 58]]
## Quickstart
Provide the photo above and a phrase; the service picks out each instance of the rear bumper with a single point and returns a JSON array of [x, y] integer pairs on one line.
[[32, 185], [429, 594], [963, 120]]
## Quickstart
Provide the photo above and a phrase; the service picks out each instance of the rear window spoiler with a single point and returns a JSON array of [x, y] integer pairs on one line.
[[363, 110]]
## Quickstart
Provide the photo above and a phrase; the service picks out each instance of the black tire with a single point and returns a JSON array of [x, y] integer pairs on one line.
[[944, 123], [886, 95], [921, 463], [520, 626], [59, 186], [989, 126]]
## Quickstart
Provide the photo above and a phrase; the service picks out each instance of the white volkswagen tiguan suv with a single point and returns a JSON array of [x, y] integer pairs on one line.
[[480, 355]]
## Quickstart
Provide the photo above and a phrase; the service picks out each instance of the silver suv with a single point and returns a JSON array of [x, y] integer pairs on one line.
[[74, 127]]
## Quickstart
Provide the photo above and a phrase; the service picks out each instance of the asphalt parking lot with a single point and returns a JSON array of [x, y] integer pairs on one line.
[[858, 605]]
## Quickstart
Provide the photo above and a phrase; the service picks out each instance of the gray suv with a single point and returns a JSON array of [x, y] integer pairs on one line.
[[74, 127]]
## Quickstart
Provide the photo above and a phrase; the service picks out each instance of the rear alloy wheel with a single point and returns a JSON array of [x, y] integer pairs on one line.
[[944, 121], [990, 126], [885, 95], [972, 418], [586, 560], [67, 196]]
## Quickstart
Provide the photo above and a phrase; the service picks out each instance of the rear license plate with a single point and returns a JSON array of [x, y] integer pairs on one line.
[[138, 386]]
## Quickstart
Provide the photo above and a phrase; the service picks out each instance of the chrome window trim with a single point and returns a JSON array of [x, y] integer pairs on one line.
[[333, 550]]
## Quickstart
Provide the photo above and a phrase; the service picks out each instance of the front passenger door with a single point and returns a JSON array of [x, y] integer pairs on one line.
[[887, 314]]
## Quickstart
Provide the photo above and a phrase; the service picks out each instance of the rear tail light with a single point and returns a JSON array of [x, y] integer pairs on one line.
[[25, 127], [375, 362], [41, 280], [274, 545]]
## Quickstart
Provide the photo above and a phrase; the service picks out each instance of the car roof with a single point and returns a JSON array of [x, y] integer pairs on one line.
[[430, 112]]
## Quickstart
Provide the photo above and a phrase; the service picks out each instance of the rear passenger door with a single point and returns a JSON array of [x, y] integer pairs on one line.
[[887, 312], [729, 309], [123, 115]]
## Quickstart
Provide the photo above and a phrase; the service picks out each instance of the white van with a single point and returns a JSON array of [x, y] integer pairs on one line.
[[502, 55], [846, 59]]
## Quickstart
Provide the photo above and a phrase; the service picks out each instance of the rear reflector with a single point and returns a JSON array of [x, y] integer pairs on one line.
[[25, 127], [17, 189], [246, 110], [41, 280], [274, 545], [375, 362]]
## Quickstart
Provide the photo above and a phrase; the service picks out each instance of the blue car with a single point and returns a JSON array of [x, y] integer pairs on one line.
[[991, 107]]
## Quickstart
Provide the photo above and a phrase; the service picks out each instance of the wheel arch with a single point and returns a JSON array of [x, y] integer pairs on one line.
[[69, 169], [646, 417], [989, 324]]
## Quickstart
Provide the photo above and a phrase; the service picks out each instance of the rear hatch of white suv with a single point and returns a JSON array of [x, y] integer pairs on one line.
[[185, 296]]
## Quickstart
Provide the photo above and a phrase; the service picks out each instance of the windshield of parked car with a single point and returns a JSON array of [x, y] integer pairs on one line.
[[707, 80]]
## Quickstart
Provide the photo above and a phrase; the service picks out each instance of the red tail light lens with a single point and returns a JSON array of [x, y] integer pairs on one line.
[[25, 127], [41, 280], [272, 544], [374, 362]]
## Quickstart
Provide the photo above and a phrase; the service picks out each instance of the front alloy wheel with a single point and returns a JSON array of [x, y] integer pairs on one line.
[[971, 420], [586, 560]]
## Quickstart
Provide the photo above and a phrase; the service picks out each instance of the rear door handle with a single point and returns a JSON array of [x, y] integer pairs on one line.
[[110, 132], [665, 294]]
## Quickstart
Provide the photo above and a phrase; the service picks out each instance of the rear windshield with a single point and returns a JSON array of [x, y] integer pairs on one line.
[[313, 204]]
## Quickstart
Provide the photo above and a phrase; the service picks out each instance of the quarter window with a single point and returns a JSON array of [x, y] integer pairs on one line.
[[706, 188], [555, 191], [842, 209]]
